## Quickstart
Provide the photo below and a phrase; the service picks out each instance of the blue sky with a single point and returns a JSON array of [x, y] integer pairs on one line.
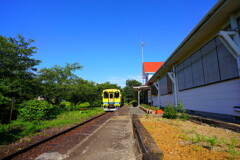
[[103, 35]]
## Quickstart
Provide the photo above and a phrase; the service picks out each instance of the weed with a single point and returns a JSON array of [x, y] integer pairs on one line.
[[231, 147], [212, 141], [147, 115], [195, 149], [199, 138], [173, 112], [184, 117]]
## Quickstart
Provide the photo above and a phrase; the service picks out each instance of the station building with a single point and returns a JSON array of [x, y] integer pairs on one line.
[[203, 72]]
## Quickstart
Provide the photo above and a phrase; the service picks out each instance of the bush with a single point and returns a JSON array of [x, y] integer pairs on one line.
[[85, 104], [134, 103], [35, 110], [170, 112], [173, 112], [67, 105]]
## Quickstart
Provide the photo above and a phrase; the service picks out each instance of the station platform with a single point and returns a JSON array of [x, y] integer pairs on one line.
[[113, 140]]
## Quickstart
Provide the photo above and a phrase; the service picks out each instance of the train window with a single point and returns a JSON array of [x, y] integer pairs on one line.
[[116, 95], [111, 95], [105, 94]]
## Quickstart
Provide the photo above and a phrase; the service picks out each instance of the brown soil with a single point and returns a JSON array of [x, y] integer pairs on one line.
[[180, 140]]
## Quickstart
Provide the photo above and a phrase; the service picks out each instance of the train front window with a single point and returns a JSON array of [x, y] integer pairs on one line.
[[116, 95], [111, 95], [105, 94]]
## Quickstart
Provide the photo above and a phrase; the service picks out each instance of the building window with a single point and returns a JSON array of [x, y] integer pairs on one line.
[[165, 85], [169, 85], [197, 69], [188, 78], [227, 63], [212, 63], [181, 77]]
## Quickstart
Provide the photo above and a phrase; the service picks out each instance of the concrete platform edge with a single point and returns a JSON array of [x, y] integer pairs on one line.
[[146, 148]]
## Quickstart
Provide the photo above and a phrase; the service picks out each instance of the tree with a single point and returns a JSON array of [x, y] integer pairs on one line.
[[17, 72], [128, 90], [57, 81], [82, 91], [88, 91]]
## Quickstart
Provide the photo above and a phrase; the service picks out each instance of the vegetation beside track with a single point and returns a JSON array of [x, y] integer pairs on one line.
[[19, 128]]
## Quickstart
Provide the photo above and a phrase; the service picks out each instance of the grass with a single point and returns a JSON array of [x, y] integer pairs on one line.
[[19, 129], [194, 136]]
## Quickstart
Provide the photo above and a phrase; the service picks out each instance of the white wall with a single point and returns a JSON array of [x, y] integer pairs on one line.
[[164, 100], [167, 99], [216, 98]]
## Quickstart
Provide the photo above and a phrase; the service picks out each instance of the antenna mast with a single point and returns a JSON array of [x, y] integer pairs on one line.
[[142, 50], [142, 44]]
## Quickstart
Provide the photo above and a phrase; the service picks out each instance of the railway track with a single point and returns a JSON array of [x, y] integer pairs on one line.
[[63, 141]]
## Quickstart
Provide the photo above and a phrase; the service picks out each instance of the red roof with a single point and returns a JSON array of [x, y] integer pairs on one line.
[[151, 66]]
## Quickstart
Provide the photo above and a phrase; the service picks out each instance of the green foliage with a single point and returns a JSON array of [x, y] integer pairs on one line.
[[65, 104], [17, 72], [232, 146], [57, 81], [134, 103], [149, 107], [212, 141], [128, 92], [170, 112], [4, 100], [85, 104], [18, 128], [173, 112], [147, 115], [35, 110]]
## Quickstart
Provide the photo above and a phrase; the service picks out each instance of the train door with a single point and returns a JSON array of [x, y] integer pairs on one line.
[[111, 98]]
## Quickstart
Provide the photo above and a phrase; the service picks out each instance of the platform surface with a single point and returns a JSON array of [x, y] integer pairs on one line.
[[112, 141]]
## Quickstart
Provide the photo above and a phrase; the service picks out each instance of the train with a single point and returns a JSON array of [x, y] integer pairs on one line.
[[112, 99]]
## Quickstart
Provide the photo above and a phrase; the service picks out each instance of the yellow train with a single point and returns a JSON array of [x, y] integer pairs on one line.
[[111, 99]]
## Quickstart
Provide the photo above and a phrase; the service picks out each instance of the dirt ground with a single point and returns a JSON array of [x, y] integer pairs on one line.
[[180, 140]]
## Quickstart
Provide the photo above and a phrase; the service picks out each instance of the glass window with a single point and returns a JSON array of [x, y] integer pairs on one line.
[[197, 69], [212, 63], [105, 94], [180, 74], [188, 78], [227, 63], [163, 85], [116, 95], [111, 95]]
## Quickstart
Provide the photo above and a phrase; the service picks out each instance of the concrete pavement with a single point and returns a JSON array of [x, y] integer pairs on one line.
[[113, 140]]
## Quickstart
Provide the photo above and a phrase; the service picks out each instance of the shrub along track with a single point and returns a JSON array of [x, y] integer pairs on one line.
[[63, 141]]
